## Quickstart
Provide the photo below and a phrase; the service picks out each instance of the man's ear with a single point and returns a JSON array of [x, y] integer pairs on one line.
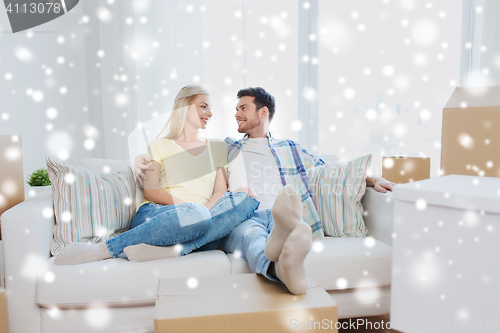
[[263, 112]]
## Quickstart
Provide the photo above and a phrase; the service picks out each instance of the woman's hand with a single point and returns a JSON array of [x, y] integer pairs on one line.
[[247, 190], [140, 166]]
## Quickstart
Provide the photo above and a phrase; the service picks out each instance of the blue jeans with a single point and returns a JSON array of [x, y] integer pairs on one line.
[[249, 238], [190, 224]]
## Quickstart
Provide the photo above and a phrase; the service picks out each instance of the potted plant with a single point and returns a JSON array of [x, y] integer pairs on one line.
[[39, 182]]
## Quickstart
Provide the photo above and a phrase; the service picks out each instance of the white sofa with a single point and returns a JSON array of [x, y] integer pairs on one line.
[[116, 295]]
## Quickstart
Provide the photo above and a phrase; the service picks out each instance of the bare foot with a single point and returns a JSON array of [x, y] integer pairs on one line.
[[287, 214], [81, 252], [290, 267]]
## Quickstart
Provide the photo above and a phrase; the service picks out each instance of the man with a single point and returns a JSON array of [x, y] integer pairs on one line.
[[277, 238]]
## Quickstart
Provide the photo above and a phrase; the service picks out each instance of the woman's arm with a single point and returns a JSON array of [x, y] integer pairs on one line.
[[152, 190], [220, 187], [139, 165]]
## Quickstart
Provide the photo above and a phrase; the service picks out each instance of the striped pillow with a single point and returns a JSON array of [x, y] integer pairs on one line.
[[88, 206], [337, 190]]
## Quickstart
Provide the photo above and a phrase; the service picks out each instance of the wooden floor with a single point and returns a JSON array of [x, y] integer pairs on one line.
[[366, 326]]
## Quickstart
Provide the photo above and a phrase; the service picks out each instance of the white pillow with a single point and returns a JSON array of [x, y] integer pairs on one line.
[[89, 206], [337, 191]]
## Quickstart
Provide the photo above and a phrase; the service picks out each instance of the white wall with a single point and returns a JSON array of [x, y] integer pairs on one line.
[[387, 69], [27, 58]]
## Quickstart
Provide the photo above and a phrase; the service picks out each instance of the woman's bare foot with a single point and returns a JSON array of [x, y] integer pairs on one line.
[[146, 252], [80, 252]]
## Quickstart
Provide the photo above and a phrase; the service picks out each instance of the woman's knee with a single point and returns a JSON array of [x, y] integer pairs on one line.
[[246, 205], [201, 214]]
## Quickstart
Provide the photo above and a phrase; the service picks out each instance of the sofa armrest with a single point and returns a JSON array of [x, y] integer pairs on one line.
[[27, 236], [378, 210]]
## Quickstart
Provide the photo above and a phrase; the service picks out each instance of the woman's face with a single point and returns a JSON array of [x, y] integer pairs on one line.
[[198, 113]]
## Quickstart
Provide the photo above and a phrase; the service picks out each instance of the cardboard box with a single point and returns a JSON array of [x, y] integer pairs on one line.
[[470, 142], [4, 317], [11, 172], [243, 303], [404, 169], [1, 265], [446, 255]]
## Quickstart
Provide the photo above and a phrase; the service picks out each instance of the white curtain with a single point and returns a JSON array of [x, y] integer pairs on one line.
[[480, 63], [150, 49]]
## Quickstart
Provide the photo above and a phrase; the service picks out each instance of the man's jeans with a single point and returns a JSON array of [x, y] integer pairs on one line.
[[249, 240], [191, 224]]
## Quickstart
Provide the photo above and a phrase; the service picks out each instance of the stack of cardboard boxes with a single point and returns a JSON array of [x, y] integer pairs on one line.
[[470, 141], [11, 193]]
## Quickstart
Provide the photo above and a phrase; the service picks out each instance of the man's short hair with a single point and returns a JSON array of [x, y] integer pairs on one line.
[[262, 98]]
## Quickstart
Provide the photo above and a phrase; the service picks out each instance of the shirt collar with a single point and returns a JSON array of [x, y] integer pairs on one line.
[[269, 136]]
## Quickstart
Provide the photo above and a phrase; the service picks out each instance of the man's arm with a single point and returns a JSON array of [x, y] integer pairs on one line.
[[379, 184], [309, 160]]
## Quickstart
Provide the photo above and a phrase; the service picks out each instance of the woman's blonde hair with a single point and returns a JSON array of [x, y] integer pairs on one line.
[[184, 98]]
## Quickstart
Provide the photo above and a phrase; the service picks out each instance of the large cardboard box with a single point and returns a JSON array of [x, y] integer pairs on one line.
[[4, 318], [11, 172], [445, 267], [404, 169], [1, 265], [470, 142], [243, 303]]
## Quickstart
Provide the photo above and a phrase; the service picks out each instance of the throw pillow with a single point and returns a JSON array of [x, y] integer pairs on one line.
[[337, 190], [89, 206]]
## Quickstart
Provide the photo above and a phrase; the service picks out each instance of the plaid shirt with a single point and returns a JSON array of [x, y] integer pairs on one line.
[[293, 161]]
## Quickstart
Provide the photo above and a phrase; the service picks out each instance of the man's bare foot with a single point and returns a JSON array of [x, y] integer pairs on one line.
[[287, 214], [290, 267]]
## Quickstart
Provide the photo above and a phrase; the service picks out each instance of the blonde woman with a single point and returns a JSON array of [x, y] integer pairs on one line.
[[186, 199]]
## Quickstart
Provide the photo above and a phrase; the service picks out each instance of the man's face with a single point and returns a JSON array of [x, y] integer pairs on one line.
[[247, 115]]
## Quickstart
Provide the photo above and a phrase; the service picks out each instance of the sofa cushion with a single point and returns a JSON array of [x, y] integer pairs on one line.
[[238, 264], [355, 261], [119, 282], [350, 262], [88, 206]]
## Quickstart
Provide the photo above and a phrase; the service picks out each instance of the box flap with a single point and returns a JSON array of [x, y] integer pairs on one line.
[[476, 97], [233, 294], [456, 191], [170, 307], [218, 285]]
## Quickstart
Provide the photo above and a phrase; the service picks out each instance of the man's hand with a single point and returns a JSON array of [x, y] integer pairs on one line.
[[140, 165], [380, 184]]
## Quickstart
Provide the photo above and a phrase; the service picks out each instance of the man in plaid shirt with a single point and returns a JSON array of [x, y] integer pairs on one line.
[[277, 238]]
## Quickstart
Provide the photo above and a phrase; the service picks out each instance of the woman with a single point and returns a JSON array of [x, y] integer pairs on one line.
[[186, 199]]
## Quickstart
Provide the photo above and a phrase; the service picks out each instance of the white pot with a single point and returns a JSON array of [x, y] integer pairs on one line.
[[38, 191]]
